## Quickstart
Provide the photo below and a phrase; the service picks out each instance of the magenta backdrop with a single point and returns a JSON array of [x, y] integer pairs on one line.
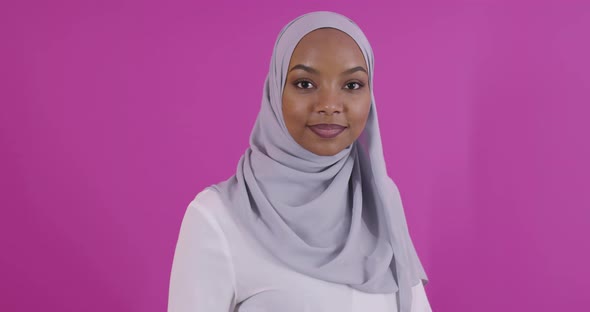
[[115, 114]]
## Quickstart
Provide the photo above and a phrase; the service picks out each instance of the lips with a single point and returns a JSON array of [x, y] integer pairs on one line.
[[327, 131]]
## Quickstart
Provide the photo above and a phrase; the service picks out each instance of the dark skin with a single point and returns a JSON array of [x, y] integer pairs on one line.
[[327, 84]]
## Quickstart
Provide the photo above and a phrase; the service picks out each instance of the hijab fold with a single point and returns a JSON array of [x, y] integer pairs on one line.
[[336, 218]]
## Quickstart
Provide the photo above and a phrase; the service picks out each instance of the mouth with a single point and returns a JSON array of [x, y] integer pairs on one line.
[[327, 131]]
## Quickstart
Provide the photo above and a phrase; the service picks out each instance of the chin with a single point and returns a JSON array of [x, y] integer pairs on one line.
[[326, 151], [325, 147]]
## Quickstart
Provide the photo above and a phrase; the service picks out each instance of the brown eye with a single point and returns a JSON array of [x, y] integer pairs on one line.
[[353, 86], [304, 84]]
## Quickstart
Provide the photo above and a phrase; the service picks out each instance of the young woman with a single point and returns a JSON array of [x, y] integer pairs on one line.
[[310, 221]]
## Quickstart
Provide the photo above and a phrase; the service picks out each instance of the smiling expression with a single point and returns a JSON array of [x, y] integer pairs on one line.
[[327, 97]]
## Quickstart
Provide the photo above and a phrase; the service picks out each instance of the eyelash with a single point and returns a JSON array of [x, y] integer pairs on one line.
[[298, 82], [360, 85]]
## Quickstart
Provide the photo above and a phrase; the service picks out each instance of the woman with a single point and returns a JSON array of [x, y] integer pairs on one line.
[[310, 221]]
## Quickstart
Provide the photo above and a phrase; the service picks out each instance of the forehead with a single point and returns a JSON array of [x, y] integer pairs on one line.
[[328, 44]]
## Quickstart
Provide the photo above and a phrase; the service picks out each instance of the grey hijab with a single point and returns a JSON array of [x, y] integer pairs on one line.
[[336, 218]]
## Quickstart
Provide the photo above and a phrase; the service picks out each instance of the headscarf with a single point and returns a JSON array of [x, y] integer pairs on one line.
[[336, 218]]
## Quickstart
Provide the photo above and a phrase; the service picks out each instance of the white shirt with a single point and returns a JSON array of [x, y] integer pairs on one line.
[[219, 268]]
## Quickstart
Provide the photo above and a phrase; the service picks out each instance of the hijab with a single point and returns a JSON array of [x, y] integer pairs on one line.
[[336, 218]]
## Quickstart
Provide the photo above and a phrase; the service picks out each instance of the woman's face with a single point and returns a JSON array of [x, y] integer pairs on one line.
[[327, 97]]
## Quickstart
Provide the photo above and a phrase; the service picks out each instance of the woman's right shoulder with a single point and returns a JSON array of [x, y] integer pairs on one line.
[[202, 276], [209, 204], [208, 198]]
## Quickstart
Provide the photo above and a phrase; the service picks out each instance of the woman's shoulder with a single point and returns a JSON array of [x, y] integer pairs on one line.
[[208, 199], [203, 274], [208, 205]]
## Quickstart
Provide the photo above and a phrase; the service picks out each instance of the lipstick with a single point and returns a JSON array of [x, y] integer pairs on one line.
[[327, 131]]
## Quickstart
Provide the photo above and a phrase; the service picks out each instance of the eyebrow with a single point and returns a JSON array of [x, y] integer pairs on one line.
[[316, 72], [305, 68], [354, 70]]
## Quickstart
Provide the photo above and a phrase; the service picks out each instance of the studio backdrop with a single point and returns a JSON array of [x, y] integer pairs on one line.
[[115, 114]]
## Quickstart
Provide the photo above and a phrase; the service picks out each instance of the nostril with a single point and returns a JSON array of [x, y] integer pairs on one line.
[[329, 108]]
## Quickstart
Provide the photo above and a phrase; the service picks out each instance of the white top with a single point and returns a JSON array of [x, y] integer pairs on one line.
[[219, 268]]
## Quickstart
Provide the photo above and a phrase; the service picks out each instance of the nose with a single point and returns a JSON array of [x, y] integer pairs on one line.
[[329, 102]]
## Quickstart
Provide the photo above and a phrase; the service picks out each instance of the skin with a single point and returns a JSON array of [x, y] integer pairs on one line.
[[327, 83]]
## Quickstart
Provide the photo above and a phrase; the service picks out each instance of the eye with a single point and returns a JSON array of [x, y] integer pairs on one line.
[[353, 86], [303, 84]]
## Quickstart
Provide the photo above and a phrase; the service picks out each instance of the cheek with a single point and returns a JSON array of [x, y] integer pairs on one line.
[[296, 105], [295, 112], [360, 112]]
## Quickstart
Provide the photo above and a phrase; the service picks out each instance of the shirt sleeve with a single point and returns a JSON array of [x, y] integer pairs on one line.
[[419, 300], [202, 276]]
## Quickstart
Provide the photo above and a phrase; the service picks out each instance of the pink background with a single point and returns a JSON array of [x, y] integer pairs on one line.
[[115, 114]]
